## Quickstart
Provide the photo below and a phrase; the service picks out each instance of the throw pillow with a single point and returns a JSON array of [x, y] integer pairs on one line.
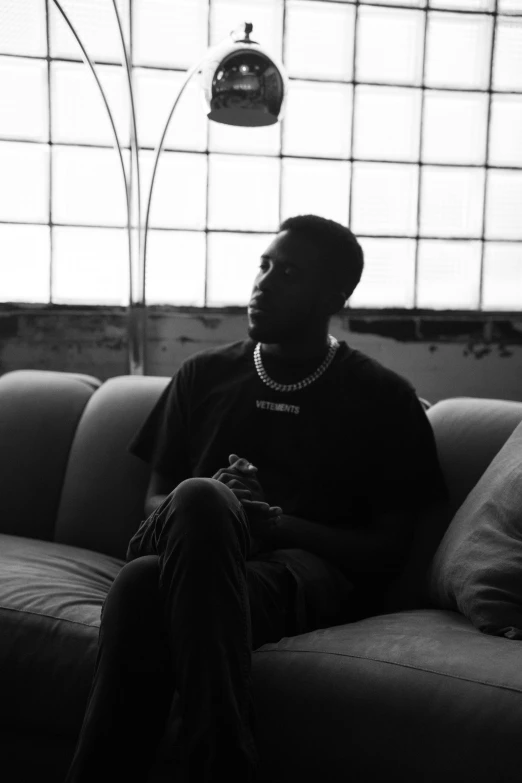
[[477, 568]]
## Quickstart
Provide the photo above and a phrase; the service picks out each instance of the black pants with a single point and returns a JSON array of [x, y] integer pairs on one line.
[[172, 683]]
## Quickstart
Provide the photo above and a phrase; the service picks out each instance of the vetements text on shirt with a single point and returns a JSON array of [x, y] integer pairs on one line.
[[282, 407]]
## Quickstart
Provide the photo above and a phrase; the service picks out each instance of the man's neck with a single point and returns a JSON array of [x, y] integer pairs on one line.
[[297, 353]]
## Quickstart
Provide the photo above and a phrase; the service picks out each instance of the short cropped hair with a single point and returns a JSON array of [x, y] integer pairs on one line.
[[343, 255]]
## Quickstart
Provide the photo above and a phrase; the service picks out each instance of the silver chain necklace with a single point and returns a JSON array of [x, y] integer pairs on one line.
[[332, 350]]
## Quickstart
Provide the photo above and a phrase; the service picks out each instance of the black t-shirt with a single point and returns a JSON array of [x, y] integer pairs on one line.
[[354, 443]]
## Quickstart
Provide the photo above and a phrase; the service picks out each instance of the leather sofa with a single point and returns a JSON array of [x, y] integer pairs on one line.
[[411, 694]]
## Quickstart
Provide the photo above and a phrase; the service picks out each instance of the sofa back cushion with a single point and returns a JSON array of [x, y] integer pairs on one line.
[[105, 486], [469, 432], [39, 413]]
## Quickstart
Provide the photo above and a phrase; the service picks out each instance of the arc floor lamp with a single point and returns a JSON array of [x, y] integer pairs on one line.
[[241, 85]]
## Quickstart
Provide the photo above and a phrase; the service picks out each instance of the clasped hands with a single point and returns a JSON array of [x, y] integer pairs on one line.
[[241, 477]]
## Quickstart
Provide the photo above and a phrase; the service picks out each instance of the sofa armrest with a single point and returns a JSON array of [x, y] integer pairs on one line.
[[39, 413]]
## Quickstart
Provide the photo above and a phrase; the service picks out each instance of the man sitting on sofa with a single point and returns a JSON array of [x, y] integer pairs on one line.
[[287, 473]]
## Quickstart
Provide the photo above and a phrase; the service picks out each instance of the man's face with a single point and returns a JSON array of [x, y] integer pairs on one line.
[[289, 292]]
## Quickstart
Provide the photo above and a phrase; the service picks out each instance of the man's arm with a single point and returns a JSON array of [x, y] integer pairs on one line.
[[378, 548], [142, 542], [159, 488]]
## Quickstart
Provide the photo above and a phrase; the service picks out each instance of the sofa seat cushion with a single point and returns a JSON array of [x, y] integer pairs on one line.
[[423, 693], [50, 603]]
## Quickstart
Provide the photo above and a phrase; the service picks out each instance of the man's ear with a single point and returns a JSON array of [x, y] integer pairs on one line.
[[335, 301]]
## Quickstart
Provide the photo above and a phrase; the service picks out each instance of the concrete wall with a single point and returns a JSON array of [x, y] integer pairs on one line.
[[442, 356]]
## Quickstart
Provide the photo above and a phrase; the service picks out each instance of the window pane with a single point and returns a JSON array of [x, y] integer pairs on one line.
[[399, 109], [507, 66], [452, 201], [317, 188], [169, 34], [95, 23], [79, 114], [458, 50], [22, 27], [455, 127], [233, 263], [504, 205], [155, 93], [176, 268], [389, 45], [324, 30], [387, 279], [180, 189], [90, 266], [449, 275], [24, 184], [470, 5], [414, 3], [510, 6], [243, 193], [23, 87], [88, 186], [376, 206], [505, 136], [318, 120], [24, 263], [502, 276]]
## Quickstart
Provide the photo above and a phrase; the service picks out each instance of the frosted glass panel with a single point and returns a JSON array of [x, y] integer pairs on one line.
[[24, 263], [95, 22], [155, 93], [233, 263], [265, 15], [23, 87], [452, 201], [505, 136], [458, 50], [90, 266], [449, 275], [319, 40], [413, 3], [384, 198], [243, 193], [507, 67], [88, 186], [398, 110], [510, 6], [317, 188], [79, 114], [504, 205], [465, 5], [169, 33], [387, 279], [22, 27], [24, 182], [502, 276], [180, 189], [318, 120], [176, 268], [389, 45], [455, 127]]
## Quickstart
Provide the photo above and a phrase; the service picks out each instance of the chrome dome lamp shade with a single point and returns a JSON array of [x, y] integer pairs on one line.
[[242, 85]]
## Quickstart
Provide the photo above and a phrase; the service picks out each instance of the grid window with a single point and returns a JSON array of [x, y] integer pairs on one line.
[[403, 121]]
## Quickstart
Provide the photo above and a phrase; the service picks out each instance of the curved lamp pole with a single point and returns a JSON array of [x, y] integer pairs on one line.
[[242, 85]]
